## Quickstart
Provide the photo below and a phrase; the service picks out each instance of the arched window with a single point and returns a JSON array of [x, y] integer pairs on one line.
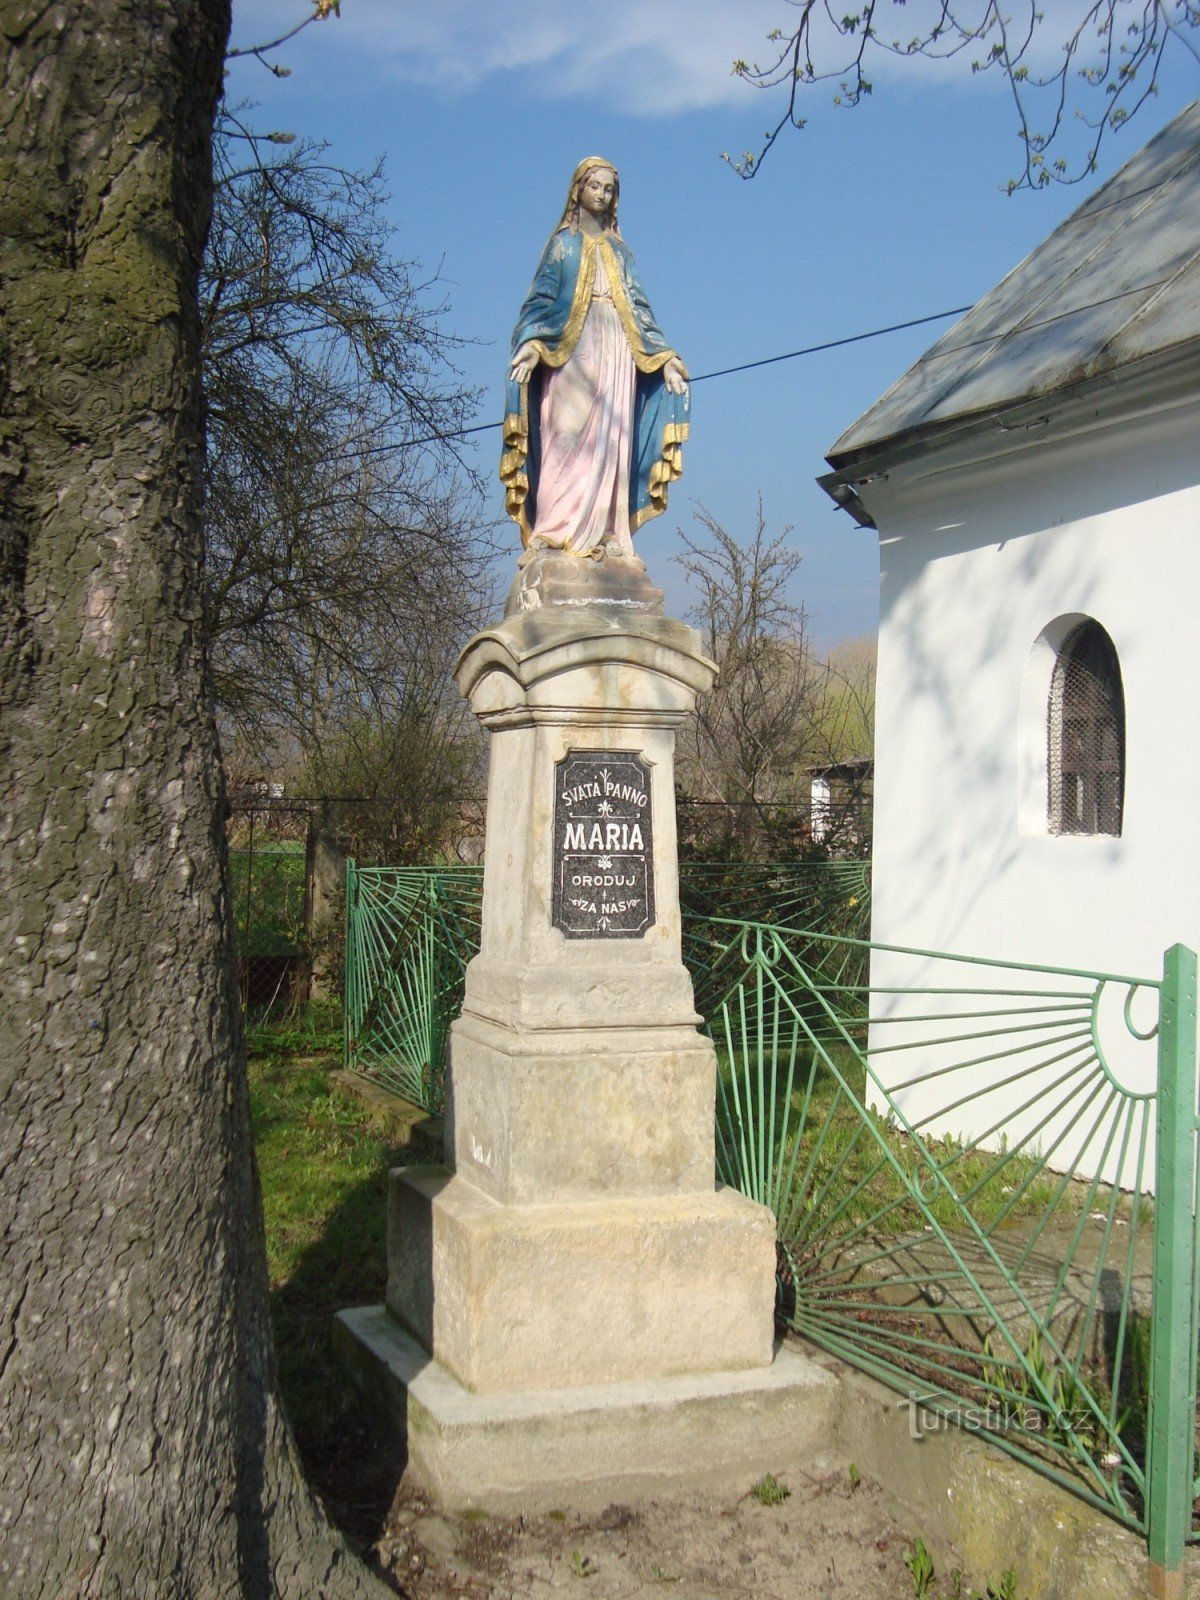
[[1086, 735]]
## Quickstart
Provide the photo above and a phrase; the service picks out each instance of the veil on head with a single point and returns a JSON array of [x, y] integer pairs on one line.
[[570, 216]]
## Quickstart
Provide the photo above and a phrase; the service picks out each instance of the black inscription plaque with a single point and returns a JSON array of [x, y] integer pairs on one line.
[[603, 845]]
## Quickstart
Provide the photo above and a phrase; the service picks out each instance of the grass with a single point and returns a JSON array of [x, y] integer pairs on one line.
[[323, 1168], [862, 1266], [768, 1491], [268, 899], [923, 1575]]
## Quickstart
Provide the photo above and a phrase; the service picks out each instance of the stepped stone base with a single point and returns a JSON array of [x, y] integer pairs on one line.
[[585, 1446], [573, 1309], [529, 1297]]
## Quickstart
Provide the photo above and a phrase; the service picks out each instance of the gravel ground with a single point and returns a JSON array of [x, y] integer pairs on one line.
[[827, 1539]]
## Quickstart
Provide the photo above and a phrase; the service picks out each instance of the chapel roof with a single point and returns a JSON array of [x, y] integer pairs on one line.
[[1117, 282]]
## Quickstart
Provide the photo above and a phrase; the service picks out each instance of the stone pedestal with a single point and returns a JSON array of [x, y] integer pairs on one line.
[[575, 1240]]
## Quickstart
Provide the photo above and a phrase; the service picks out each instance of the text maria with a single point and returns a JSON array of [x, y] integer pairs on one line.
[[623, 837]]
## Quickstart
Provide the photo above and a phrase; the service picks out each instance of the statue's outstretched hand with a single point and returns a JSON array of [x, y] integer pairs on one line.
[[523, 364], [675, 376]]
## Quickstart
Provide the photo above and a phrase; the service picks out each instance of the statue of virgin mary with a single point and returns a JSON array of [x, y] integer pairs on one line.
[[597, 401]]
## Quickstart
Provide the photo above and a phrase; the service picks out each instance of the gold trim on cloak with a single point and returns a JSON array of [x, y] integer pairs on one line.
[[580, 307], [513, 475], [663, 473], [633, 337]]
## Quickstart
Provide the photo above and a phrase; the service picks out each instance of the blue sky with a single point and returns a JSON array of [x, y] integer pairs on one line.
[[870, 216]]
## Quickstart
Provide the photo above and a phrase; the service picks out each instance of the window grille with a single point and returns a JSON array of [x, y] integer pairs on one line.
[[1086, 729]]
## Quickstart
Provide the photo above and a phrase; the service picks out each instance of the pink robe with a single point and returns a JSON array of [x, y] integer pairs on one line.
[[587, 439]]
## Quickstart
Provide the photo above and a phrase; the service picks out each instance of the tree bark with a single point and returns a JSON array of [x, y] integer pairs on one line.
[[142, 1448]]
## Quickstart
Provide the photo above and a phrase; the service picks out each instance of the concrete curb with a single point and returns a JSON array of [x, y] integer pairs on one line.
[[977, 1508]]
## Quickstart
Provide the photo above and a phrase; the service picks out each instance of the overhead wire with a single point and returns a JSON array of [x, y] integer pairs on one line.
[[721, 372], [829, 344]]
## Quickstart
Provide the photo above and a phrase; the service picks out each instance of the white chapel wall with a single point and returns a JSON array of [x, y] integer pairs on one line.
[[982, 568]]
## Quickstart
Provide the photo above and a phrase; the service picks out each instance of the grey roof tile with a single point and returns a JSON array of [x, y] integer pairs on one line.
[[1117, 281]]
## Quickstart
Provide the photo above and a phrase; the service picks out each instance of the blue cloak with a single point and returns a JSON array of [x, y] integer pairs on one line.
[[551, 320]]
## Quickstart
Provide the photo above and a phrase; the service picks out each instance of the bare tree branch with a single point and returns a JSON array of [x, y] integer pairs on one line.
[[345, 566], [321, 11], [777, 711], [1103, 60]]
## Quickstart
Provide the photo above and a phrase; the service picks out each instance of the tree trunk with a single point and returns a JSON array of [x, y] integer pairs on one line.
[[142, 1448]]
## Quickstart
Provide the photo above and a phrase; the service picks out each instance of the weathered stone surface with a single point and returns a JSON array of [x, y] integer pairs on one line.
[[520, 1297], [555, 578], [585, 986], [548, 683], [977, 1507], [586, 1445], [582, 1114], [571, 659], [578, 1240], [413, 1134]]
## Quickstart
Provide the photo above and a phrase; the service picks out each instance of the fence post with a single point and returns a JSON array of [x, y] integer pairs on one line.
[[433, 948], [244, 944], [350, 957], [309, 898], [325, 881], [1172, 1421]]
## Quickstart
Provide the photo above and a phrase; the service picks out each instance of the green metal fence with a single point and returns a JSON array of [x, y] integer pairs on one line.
[[984, 1174], [269, 898], [974, 1204], [410, 932]]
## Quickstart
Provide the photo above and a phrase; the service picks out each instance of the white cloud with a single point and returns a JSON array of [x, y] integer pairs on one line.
[[643, 56], [648, 57]]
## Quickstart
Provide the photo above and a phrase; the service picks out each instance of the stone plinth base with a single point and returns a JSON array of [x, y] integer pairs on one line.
[[538, 1116], [582, 1308], [530, 1297], [586, 1446], [552, 579]]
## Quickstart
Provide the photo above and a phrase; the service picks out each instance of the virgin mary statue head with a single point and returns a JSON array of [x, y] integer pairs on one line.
[[594, 168]]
